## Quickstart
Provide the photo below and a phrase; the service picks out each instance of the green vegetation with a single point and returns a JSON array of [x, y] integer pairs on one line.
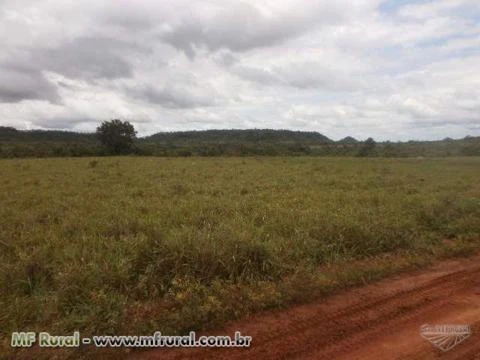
[[368, 148], [257, 142], [117, 136], [136, 244]]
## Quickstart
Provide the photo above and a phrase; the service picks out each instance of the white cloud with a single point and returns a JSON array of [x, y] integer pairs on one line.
[[338, 67]]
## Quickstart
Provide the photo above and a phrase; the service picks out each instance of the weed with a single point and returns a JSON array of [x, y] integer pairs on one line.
[[180, 244]]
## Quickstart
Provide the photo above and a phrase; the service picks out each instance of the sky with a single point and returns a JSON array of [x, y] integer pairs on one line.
[[392, 70]]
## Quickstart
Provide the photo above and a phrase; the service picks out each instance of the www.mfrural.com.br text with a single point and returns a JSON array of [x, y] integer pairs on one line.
[[45, 339]]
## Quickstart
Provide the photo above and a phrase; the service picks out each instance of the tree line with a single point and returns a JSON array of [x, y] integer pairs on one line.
[[117, 137]]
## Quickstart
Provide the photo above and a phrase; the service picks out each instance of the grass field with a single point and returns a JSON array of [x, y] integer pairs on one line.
[[132, 245]]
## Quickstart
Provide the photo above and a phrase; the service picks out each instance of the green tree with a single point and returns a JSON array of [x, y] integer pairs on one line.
[[117, 136], [367, 148]]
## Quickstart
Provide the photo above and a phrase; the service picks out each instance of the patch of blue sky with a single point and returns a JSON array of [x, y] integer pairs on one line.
[[392, 6]]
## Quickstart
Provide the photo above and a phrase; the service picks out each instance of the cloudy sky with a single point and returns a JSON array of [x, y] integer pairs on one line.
[[391, 69]]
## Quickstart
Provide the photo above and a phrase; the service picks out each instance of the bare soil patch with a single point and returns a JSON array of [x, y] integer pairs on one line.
[[379, 321]]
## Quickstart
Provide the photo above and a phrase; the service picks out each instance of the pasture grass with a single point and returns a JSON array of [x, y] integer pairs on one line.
[[127, 245]]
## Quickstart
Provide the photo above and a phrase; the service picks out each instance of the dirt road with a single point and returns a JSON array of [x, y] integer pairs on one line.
[[379, 321]]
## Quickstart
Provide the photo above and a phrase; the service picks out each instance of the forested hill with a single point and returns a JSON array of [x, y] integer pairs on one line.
[[179, 137], [239, 136], [265, 142], [11, 134], [348, 140]]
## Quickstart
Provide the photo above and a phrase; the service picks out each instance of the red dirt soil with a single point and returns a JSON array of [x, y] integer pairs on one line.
[[379, 321]]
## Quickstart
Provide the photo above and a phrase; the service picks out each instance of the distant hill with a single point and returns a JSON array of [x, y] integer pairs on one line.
[[239, 136], [348, 140], [12, 134], [256, 142], [178, 137]]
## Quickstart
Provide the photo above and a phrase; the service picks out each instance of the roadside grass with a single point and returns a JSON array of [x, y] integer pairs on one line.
[[134, 245]]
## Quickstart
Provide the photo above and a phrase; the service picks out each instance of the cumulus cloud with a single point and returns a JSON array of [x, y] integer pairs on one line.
[[89, 57], [22, 71], [17, 85], [174, 97], [363, 68], [241, 26]]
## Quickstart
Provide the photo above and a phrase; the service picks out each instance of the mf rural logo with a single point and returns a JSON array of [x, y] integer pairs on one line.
[[445, 337]]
